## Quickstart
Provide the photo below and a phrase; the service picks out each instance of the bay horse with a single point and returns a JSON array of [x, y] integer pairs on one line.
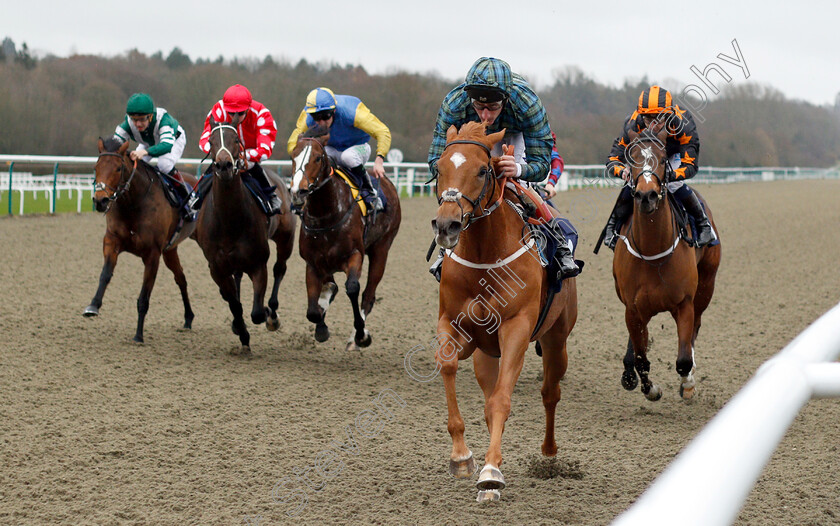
[[655, 270], [138, 220], [335, 237], [491, 298], [234, 232]]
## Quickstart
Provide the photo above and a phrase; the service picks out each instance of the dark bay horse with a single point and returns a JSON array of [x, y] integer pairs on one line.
[[656, 271], [233, 232], [492, 292], [335, 237], [139, 220]]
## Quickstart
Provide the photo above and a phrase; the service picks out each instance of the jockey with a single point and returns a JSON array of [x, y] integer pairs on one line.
[[257, 131], [351, 124], [155, 131], [492, 94], [655, 110]]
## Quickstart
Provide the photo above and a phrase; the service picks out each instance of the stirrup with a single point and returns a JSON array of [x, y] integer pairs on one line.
[[610, 239], [435, 269], [702, 240]]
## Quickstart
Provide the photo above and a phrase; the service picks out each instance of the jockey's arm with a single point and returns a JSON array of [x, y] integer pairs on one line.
[[300, 127], [368, 123]]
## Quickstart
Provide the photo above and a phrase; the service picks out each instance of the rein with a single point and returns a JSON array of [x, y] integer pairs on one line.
[[325, 175], [660, 195], [239, 159], [121, 188]]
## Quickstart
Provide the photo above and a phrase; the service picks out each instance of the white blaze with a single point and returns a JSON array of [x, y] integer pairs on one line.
[[300, 163], [457, 159]]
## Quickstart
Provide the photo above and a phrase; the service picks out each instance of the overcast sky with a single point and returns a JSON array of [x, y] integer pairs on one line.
[[789, 46]]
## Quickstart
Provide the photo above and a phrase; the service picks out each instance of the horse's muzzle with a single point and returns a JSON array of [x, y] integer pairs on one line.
[[647, 201], [101, 205], [447, 231], [299, 196]]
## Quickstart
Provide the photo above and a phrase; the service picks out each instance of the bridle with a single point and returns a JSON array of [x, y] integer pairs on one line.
[[325, 174], [454, 195], [121, 188], [238, 160], [647, 172]]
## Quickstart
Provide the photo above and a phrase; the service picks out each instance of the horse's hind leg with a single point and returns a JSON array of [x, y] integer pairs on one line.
[[173, 263], [279, 271], [639, 339], [684, 316], [259, 279], [629, 378], [555, 362], [353, 269], [151, 262], [111, 251]]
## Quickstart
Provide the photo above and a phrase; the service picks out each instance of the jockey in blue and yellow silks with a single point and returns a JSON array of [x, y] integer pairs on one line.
[[351, 125]]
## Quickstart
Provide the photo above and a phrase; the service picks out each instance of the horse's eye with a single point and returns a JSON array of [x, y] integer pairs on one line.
[[483, 172]]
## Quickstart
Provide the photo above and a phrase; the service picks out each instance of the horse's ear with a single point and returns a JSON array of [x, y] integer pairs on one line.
[[663, 135], [493, 138], [101, 145], [451, 133], [632, 135], [324, 139], [124, 148]]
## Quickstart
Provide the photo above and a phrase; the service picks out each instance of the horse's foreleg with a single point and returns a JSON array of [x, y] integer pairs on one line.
[[319, 295], [110, 250], [173, 263], [151, 262], [377, 257], [555, 362], [259, 280], [361, 336], [629, 378], [513, 341], [639, 340], [230, 293], [461, 461], [684, 316]]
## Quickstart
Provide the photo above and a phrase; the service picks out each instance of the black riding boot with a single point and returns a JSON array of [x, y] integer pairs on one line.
[[198, 194], [370, 196], [692, 206], [620, 212], [274, 204], [568, 267]]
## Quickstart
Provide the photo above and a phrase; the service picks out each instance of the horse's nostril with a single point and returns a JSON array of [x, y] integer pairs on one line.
[[453, 228], [434, 225]]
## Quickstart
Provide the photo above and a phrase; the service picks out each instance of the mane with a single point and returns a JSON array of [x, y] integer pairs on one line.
[[472, 130], [316, 131], [111, 144]]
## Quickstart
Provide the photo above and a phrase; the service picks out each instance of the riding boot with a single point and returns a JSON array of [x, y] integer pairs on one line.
[[274, 204], [620, 212], [369, 194], [568, 267], [434, 270], [198, 194], [695, 208]]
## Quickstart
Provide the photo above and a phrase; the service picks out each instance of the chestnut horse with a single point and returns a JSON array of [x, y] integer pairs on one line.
[[334, 237], [233, 232], [655, 271], [139, 220], [492, 292]]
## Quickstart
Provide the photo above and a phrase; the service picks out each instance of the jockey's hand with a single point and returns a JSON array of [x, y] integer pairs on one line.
[[506, 166], [550, 191], [136, 155], [625, 173], [378, 167]]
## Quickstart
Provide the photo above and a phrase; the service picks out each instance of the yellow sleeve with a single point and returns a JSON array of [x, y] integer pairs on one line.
[[368, 123], [300, 127]]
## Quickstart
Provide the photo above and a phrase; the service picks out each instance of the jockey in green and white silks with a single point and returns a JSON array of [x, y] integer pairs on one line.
[[155, 131]]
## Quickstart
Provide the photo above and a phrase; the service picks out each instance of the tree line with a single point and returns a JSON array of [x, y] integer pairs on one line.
[[60, 106]]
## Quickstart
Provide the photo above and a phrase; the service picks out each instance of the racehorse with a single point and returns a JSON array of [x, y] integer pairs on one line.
[[233, 232], [655, 270], [493, 290], [139, 220], [335, 237]]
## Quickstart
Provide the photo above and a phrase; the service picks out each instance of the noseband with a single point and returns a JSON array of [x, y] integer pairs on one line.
[[121, 188], [238, 160], [454, 195]]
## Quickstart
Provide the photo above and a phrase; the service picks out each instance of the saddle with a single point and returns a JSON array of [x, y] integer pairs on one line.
[[177, 191], [356, 189]]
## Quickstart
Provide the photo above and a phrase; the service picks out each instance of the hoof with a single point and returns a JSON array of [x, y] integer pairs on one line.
[[365, 341], [90, 311], [137, 339], [490, 478], [654, 394], [463, 469], [322, 333], [687, 393], [491, 495], [272, 324], [244, 351], [629, 380], [352, 347]]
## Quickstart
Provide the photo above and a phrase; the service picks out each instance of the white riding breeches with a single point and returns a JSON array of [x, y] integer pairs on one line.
[[167, 161], [351, 157]]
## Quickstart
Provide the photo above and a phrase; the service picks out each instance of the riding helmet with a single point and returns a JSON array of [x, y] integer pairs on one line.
[[237, 98], [320, 99], [140, 104]]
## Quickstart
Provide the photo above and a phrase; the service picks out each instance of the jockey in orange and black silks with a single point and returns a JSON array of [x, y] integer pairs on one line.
[[682, 146]]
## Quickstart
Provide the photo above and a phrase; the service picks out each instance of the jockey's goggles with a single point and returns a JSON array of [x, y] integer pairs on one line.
[[491, 106], [322, 115]]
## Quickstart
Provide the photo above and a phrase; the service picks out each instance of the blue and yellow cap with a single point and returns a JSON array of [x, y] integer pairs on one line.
[[320, 99]]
